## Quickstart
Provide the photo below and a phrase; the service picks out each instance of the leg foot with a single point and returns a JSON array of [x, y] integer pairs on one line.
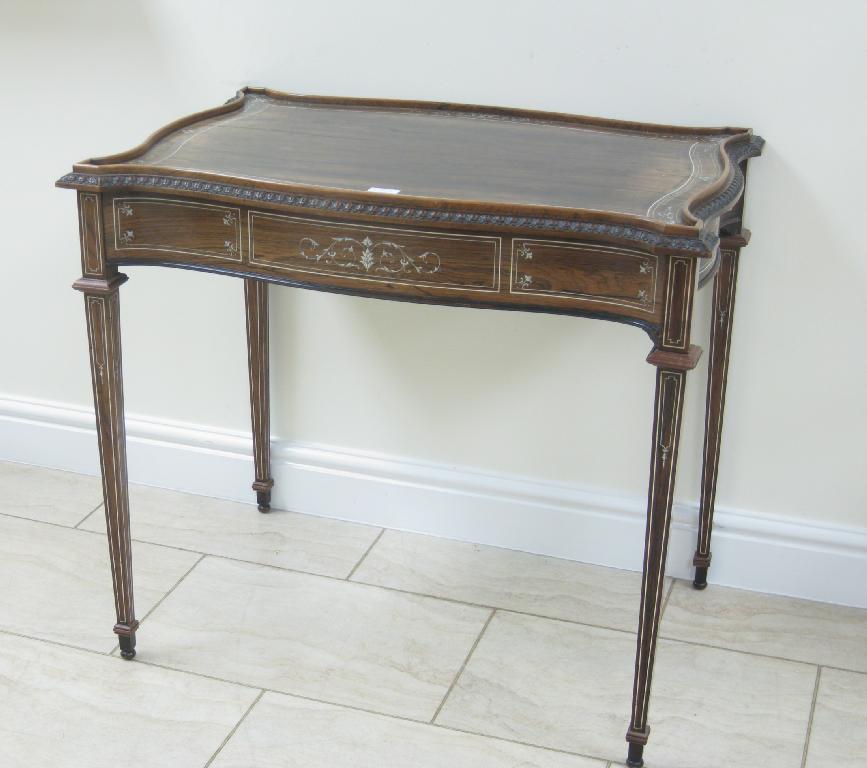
[[635, 758], [700, 580], [263, 498], [263, 494], [127, 646]]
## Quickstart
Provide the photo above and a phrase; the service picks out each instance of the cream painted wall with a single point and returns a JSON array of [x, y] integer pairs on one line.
[[546, 397]]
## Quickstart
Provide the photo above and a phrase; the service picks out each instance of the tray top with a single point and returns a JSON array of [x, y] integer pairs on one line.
[[498, 159]]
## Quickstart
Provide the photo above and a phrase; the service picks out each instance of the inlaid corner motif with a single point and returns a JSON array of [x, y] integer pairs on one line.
[[177, 226], [369, 255], [592, 273]]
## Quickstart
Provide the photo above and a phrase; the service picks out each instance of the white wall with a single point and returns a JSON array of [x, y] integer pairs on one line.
[[553, 399]]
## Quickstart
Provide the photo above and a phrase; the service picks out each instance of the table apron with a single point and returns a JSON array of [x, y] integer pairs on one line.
[[490, 269]]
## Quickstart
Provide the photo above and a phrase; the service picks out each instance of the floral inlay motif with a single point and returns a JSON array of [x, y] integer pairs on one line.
[[525, 281], [369, 256], [126, 237], [230, 219], [125, 209], [230, 247], [524, 252], [666, 451]]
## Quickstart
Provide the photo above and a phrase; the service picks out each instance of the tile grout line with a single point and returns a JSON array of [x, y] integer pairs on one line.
[[758, 655], [455, 729], [831, 667], [173, 588], [336, 578], [466, 603], [49, 522], [812, 713], [88, 515], [59, 643], [302, 697], [463, 666], [451, 599], [667, 598], [366, 553], [236, 726], [442, 598], [156, 665], [819, 667], [339, 705], [398, 590]]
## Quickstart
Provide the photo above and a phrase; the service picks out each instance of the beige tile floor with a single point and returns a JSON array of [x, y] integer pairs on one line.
[[287, 641]]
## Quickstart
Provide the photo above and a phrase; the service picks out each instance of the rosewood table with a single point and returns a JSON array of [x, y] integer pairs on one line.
[[438, 203]]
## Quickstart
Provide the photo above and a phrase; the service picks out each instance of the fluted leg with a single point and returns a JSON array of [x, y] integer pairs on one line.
[[724, 286], [103, 330], [666, 435], [256, 301]]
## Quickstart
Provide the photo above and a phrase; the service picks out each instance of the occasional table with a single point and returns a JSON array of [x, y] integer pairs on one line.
[[436, 203]]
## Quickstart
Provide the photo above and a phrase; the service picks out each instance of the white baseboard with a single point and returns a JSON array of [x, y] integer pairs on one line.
[[752, 551]]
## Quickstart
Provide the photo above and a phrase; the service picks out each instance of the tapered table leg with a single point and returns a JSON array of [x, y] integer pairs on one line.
[[103, 331], [256, 302], [724, 286], [666, 435]]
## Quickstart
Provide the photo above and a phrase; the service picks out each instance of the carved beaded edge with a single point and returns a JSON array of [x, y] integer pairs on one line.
[[703, 244], [752, 147]]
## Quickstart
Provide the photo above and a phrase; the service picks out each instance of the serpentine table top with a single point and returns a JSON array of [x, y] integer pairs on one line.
[[660, 186]]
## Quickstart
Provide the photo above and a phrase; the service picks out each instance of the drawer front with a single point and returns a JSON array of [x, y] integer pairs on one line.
[[610, 277], [374, 254], [176, 226]]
